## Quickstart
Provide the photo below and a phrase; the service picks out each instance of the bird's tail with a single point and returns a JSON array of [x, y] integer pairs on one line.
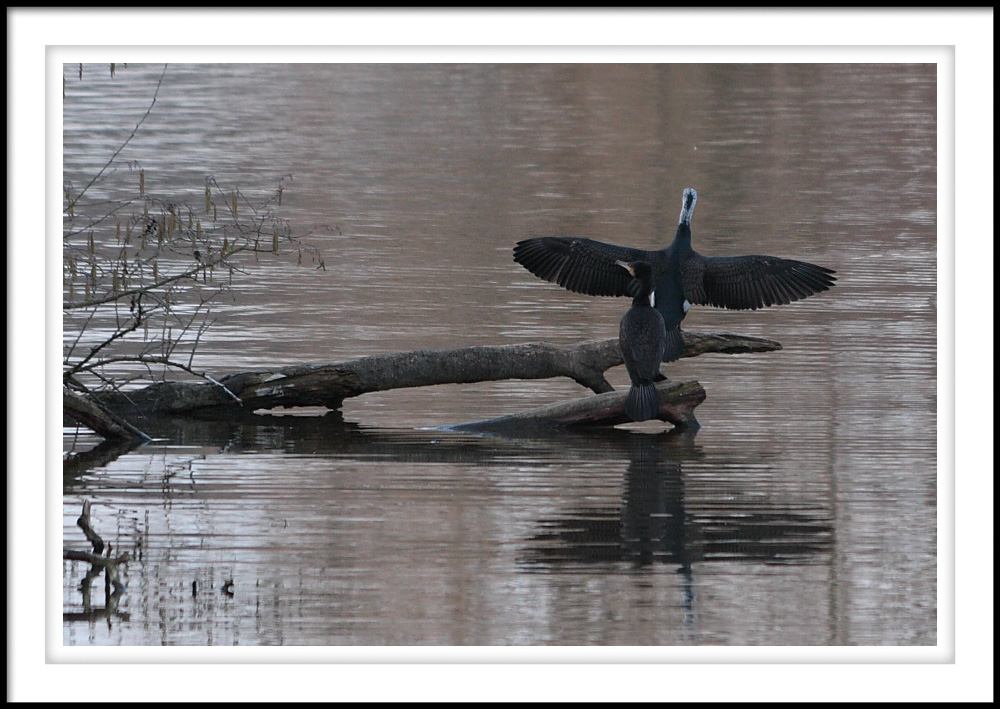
[[643, 402], [674, 347]]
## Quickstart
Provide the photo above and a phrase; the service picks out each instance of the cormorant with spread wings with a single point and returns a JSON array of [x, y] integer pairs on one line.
[[681, 276]]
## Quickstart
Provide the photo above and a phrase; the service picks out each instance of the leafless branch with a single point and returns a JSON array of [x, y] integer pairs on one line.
[[72, 203]]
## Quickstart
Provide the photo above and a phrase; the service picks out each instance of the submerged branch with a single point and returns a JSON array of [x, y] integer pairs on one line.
[[105, 562], [98, 560]]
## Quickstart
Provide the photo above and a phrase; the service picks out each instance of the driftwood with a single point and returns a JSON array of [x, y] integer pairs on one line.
[[327, 385]]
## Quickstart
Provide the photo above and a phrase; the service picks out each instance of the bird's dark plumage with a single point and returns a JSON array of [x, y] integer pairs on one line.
[[642, 337], [681, 276]]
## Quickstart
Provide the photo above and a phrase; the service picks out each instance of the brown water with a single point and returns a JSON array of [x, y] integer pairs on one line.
[[802, 513]]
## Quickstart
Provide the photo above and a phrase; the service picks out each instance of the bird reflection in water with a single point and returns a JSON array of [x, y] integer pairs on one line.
[[665, 518]]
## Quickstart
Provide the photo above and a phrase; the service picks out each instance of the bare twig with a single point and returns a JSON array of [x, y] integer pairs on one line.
[[128, 140], [120, 333], [167, 362]]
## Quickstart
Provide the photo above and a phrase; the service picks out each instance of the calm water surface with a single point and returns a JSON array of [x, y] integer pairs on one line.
[[802, 513]]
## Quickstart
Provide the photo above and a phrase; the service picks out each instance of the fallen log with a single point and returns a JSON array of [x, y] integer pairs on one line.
[[677, 403], [327, 385]]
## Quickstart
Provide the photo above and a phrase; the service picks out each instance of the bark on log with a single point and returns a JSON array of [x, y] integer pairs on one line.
[[677, 403], [329, 384]]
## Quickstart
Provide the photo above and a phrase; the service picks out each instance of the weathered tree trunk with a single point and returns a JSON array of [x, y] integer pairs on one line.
[[329, 384]]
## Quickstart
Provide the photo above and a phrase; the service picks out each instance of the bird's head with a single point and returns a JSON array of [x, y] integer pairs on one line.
[[642, 276], [688, 201]]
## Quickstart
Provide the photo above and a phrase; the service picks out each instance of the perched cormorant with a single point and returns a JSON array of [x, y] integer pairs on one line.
[[642, 337], [681, 276]]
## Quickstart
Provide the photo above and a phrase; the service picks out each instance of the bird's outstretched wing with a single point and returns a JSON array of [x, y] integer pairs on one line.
[[579, 265], [751, 282]]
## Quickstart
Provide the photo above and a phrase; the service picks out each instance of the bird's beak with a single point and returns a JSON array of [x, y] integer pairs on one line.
[[627, 266]]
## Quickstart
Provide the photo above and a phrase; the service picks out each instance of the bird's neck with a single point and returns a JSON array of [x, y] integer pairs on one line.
[[682, 240], [645, 298]]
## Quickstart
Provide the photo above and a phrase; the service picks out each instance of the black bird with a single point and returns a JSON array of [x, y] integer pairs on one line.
[[642, 337], [681, 276]]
